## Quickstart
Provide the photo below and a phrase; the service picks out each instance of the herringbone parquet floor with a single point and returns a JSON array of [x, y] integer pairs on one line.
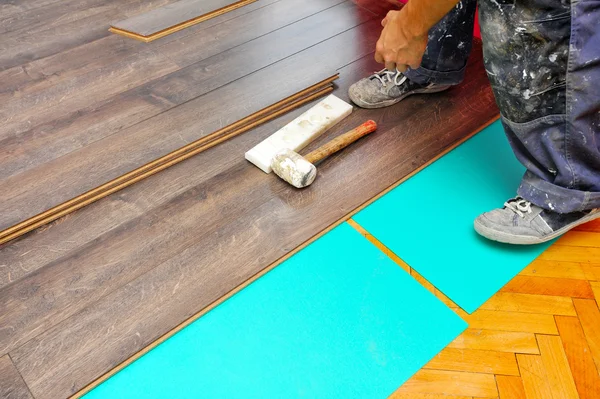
[[538, 338]]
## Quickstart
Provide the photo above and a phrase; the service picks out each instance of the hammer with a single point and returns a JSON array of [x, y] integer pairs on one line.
[[300, 171]]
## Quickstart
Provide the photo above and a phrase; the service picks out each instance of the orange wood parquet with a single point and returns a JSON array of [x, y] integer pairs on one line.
[[538, 338]]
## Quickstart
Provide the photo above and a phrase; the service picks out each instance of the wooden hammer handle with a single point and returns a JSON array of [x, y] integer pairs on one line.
[[341, 142]]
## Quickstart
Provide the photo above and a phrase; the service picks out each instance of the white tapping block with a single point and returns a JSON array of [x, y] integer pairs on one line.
[[300, 132]]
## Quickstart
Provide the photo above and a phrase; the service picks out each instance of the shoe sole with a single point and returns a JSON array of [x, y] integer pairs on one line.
[[507, 238], [387, 103]]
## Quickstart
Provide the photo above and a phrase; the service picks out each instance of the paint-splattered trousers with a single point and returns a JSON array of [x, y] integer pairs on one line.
[[543, 61]]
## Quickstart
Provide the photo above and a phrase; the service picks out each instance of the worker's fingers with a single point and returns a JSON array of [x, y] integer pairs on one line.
[[390, 65], [379, 57], [384, 22], [401, 67]]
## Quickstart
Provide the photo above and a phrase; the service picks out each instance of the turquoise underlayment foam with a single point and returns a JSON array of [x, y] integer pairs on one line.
[[337, 320], [428, 220]]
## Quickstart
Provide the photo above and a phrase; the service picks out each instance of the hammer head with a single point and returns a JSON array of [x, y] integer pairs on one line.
[[293, 168]]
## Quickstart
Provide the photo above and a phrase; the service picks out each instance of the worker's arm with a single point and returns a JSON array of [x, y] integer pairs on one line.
[[404, 36]]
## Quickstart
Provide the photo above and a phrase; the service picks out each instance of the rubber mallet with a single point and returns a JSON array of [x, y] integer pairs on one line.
[[300, 171]]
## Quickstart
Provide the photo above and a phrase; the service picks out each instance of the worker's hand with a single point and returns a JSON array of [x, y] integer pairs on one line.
[[397, 47]]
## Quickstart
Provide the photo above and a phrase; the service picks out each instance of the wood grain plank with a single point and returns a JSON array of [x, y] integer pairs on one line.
[[560, 379], [549, 286], [400, 395], [510, 387], [528, 303], [555, 269], [39, 19], [534, 377], [188, 50], [566, 253], [179, 268], [21, 260], [585, 374], [501, 341], [580, 239], [71, 175], [512, 321], [592, 271], [174, 15], [451, 383], [475, 361], [589, 317], [23, 46], [12, 385], [596, 288]]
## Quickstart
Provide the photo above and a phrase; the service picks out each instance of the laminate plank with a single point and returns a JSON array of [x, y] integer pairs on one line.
[[589, 317], [565, 253], [12, 385], [174, 17], [20, 260], [16, 50], [596, 288], [10, 7], [451, 383], [560, 379], [24, 45], [105, 68], [475, 361], [510, 387], [71, 175], [501, 341], [555, 269], [534, 376], [512, 321], [529, 303], [401, 395], [549, 286], [30, 22], [189, 50], [585, 374], [193, 250], [580, 239]]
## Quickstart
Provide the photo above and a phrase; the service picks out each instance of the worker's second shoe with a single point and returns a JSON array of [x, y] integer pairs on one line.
[[521, 222], [386, 88]]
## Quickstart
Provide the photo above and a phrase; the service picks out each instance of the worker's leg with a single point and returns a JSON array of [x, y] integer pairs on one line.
[[443, 63], [448, 48], [543, 60]]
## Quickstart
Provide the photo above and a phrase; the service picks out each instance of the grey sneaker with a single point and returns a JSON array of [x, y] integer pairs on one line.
[[386, 88], [521, 222]]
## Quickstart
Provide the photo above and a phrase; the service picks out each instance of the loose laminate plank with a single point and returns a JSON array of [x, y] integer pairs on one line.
[[173, 18], [192, 250], [12, 385], [77, 172]]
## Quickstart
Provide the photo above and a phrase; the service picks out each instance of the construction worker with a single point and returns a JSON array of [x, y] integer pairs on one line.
[[542, 58]]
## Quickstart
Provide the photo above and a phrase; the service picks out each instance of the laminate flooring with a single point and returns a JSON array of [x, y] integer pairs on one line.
[[173, 17], [83, 294]]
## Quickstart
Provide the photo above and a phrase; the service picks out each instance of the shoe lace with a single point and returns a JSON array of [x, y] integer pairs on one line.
[[519, 206], [385, 76]]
